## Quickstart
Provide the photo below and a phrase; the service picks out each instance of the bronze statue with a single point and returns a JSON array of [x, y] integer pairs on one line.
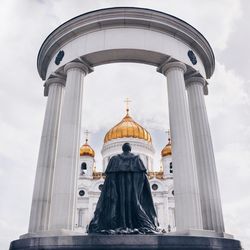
[[125, 205]]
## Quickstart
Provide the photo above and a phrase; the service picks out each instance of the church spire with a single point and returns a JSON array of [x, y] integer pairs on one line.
[[86, 132], [169, 138], [85, 149], [127, 101], [167, 150]]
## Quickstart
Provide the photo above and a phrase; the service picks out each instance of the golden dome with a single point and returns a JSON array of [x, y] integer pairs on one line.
[[127, 128], [167, 150], [86, 150]]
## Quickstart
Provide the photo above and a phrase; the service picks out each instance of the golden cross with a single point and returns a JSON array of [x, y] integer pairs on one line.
[[127, 101], [168, 133], [86, 132]]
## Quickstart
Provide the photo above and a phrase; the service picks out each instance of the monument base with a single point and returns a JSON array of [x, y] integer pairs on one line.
[[131, 242]]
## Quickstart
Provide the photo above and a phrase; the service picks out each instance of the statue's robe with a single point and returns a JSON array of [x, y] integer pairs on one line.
[[125, 204]]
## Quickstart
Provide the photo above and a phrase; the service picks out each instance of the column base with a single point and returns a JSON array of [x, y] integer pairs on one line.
[[122, 242], [50, 233], [201, 233]]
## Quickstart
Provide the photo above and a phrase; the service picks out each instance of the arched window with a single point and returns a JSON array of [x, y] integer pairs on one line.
[[154, 187], [83, 168], [170, 167], [100, 187], [81, 193]]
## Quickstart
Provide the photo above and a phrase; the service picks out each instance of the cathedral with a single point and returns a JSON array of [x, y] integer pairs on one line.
[[90, 181]]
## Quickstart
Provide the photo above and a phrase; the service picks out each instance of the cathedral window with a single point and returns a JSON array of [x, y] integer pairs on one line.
[[83, 167], [81, 193], [80, 217], [170, 168], [154, 187]]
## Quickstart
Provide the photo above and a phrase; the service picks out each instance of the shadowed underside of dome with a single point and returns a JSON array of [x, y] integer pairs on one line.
[[128, 128]]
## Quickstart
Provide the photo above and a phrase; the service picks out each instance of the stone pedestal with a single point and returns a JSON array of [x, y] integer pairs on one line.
[[131, 242]]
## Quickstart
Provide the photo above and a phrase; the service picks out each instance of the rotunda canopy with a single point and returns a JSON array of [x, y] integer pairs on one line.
[[125, 34]]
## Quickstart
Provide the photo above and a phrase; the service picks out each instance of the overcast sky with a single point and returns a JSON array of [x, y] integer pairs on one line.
[[25, 24]]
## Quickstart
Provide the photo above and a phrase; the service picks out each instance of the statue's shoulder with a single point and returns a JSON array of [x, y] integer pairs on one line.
[[136, 157], [127, 156], [112, 163], [113, 159], [125, 163]]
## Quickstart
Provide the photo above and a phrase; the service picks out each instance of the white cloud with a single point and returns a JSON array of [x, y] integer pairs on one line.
[[108, 86], [228, 108]]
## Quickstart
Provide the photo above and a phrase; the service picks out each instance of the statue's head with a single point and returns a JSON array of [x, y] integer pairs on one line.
[[126, 147]]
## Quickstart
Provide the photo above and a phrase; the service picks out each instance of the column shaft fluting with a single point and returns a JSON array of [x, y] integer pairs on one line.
[[63, 192], [186, 190], [206, 169], [40, 207]]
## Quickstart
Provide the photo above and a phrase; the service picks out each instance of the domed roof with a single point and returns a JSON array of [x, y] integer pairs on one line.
[[86, 150], [167, 150], [127, 128]]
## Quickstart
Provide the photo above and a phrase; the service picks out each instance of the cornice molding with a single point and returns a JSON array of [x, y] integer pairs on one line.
[[128, 17]]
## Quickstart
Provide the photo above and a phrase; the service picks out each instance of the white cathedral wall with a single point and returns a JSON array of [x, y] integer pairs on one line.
[[166, 166], [89, 160], [139, 147], [164, 202], [85, 205], [162, 197]]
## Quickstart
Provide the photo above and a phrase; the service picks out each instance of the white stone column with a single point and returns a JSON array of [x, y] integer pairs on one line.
[[64, 186], [206, 169], [40, 207], [186, 190]]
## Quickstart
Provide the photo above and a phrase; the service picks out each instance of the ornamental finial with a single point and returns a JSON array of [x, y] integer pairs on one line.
[[127, 101], [86, 132], [168, 133]]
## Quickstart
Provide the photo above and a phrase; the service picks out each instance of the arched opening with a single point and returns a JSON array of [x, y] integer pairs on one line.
[[104, 94]]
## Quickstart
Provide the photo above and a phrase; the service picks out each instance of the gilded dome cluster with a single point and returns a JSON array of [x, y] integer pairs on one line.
[[86, 150], [167, 150], [127, 128]]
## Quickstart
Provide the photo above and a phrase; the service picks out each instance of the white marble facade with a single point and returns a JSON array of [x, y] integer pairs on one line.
[[89, 182]]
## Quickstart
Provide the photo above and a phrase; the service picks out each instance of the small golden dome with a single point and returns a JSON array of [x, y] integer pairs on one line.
[[167, 150], [86, 150], [127, 128]]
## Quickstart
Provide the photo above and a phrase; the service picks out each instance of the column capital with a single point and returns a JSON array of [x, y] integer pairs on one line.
[[53, 80], [79, 65], [195, 80], [167, 66]]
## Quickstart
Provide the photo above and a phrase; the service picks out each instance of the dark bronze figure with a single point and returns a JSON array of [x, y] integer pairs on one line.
[[125, 205]]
